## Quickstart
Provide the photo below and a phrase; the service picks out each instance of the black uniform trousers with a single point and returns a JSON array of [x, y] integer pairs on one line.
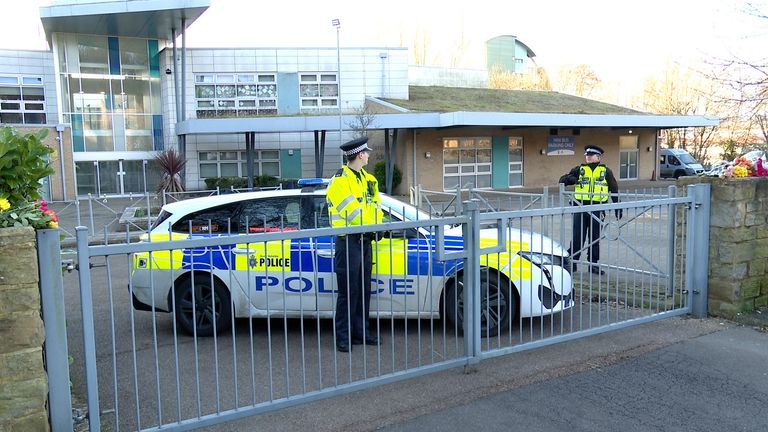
[[587, 223], [353, 267]]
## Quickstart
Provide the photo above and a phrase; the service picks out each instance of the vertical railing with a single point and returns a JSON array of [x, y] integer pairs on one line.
[[54, 320], [671, 241], [89, 340]]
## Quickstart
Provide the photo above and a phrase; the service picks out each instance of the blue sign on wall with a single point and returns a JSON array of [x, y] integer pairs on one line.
[[560, 145]]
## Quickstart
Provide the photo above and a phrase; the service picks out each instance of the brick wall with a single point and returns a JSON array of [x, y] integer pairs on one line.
[[23, 381], [738, 243]]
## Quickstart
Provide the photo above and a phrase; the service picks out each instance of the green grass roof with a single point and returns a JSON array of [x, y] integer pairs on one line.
[[449, 99]]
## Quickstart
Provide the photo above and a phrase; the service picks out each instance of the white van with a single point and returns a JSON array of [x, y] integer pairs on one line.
[[678, 162]]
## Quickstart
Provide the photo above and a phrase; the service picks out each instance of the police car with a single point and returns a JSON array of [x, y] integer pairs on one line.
[[204, 287]]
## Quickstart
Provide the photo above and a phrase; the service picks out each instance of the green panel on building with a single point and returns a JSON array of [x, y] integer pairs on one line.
[[500, 162], [290, 163]]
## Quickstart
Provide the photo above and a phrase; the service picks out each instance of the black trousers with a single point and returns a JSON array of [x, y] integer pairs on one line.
[[353, 267], [587, 225]]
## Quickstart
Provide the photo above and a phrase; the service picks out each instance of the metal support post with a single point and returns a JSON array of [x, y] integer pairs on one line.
[[89, 339], [471, 292], [697, 264], [54, 320]]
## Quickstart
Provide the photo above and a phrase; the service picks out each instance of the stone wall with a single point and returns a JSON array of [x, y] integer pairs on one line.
[[23, 381], [738, 243]]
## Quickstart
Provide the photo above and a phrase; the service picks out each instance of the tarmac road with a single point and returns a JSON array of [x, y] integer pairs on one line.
[[678, 374]]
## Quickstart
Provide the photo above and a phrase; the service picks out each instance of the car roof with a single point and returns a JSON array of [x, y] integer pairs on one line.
[[194, 204], [675, 150], [215, 200]]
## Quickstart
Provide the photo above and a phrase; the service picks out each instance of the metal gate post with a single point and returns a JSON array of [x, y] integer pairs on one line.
[[472, 281], [89, 339], [697, 249], [54, 320]]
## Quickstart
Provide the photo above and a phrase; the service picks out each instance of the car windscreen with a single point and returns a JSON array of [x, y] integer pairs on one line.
[[160, 218], [214, 220], [687, 159]]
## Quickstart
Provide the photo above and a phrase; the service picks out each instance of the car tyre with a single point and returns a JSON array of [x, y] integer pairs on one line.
[[212, 306], [495, 299]]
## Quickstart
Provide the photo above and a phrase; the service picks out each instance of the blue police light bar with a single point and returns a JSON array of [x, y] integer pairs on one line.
[[314, 181]]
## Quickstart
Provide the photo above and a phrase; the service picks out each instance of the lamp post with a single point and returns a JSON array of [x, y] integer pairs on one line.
[[336, 23]]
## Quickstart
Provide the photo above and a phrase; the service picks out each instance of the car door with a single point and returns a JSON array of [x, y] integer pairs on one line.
[[214, 260], [273, 273], [315, 215]]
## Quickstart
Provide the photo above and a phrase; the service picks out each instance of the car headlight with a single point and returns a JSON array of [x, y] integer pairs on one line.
[[537, 258]]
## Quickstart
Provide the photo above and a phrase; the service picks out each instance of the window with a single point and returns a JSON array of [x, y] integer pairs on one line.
[[515, 161], [235, 95], [270, 214], [235, 163], [466, 163], [218, 219], [315, 214], [319, 91], [22, 100]]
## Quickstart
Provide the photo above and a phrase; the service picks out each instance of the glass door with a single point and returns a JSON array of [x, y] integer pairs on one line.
[[628, 154], [110, 178]]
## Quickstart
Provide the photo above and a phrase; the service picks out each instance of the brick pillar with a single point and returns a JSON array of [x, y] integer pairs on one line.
[[738, 239], [23, 381]]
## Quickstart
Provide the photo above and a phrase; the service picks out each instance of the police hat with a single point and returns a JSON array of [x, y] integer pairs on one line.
[[355, 146], [593, 149]]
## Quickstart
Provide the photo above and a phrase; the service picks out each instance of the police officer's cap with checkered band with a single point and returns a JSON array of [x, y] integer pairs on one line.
[[593, 149], [357, 145]]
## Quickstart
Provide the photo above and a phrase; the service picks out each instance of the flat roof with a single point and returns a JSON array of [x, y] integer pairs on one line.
[[150, 19], [441, 120]]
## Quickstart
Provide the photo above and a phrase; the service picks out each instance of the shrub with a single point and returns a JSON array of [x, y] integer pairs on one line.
[[380, 172], [23, 163], [240, 182], [171, 164]]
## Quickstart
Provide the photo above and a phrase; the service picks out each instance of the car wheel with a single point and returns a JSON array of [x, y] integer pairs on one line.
[[496, 304], [212, 306], [679, 173]]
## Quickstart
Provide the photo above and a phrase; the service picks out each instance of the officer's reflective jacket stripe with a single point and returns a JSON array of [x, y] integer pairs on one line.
[[592, 185], [353, 200]]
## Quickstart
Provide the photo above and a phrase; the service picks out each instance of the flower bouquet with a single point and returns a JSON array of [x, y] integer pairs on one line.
[[35, 214]]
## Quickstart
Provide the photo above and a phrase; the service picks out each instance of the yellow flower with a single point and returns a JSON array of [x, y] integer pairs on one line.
[[4, 204], [53, 224], [740, 171]]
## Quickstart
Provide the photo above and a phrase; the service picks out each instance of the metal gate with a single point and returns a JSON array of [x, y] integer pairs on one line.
[[137, 370]]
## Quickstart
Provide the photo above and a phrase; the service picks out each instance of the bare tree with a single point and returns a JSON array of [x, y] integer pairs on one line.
[[364, 119], [579, 80], [531, 79], [746, 81], [682, 91], [420, 43]]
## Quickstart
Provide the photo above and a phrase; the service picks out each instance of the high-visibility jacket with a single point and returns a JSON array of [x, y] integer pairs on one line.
[[592, 185], [353, 200]]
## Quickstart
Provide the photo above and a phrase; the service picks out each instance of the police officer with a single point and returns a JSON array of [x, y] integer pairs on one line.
[[594, 182], [353, 199]]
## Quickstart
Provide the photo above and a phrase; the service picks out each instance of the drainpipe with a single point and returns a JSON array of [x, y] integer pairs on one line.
[[383, 57], [414, 157], [60, 140]]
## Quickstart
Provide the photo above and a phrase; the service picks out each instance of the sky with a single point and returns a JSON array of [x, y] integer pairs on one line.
[[622, 41]]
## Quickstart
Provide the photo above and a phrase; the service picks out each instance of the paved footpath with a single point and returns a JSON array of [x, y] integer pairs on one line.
[[677, 374], [716, 382]]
